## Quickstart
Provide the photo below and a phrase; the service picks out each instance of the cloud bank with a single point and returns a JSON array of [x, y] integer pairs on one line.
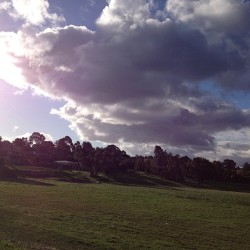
[[136, 80]]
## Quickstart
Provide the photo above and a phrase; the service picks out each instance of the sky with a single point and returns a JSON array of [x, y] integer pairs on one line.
[[136, 74]]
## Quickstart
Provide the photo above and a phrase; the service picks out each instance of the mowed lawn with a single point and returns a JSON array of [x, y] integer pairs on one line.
[[49, 214]]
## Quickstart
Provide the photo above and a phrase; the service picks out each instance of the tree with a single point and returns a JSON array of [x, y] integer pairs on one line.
[[6, 152], [139, 164], [186, 166], [112, 156], [201, 168], [64, 149], [246, 167], [84, 155], [97, 161], [159, 160], [229, 164], [36, 138], [173, 169], [229, 169], [21, 151], [45, 154], [217, 170], [2, 160]]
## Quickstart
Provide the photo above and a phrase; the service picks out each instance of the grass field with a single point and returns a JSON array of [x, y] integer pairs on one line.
[[145, 214]]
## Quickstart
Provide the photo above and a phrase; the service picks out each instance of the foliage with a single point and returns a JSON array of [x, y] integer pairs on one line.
[[246, 167], [36, 150]]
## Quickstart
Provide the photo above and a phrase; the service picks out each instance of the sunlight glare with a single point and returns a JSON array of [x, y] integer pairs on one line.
[[9, 72]]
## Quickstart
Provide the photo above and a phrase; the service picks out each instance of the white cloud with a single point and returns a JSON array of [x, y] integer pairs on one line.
[[9, 71], [15, 128], [32, 12], [125, 13], [233, 143], [230, 144], [190, 10], [4, 6]]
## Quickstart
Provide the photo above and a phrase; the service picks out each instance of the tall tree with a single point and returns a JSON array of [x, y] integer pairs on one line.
[[159, 161], [201, 168], [36, 138], [229, 169], [84, 155], [64, 149], [21, 152], [246, 167], [114, 159]]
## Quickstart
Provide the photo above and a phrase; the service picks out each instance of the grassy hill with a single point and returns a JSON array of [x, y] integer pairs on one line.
[[120, 212]]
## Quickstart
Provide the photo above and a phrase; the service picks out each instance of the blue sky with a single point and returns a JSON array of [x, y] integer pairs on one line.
[[79, 12], [134, 73], [23, 113]]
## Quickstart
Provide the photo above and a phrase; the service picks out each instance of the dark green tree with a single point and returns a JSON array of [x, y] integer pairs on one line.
[[64, 149]]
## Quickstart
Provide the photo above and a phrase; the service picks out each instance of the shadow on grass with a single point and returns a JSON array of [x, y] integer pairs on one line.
[[34, 175], [26, 181], [222, 186], [138, 179], [12, 174], [146, 180], [81, 180]]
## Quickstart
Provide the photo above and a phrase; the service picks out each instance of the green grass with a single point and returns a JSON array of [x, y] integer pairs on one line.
[[143, 213]]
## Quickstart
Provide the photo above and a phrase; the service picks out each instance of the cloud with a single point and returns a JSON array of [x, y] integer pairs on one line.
[[244, 1], [31, 12], [15, 129], [230, 144], [4, 6], [223, 23], [136, 79]]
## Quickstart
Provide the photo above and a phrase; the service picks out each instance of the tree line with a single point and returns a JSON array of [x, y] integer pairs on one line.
[[38, 151]]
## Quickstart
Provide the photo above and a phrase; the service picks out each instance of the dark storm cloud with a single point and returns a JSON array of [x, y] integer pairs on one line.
[[160, 131], [225, 23], [143, 63]]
